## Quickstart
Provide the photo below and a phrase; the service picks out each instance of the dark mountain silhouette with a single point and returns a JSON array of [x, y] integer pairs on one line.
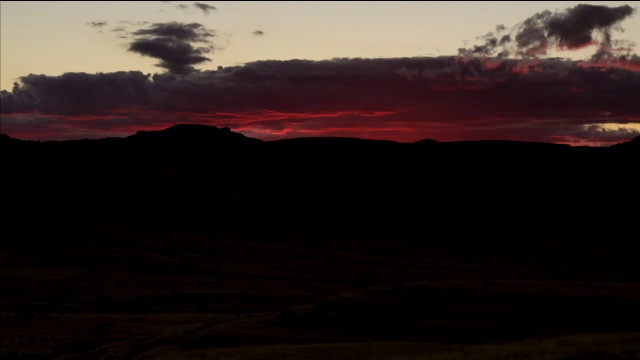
[[486, 189], [633, 143], [186, 134], [316, 240]]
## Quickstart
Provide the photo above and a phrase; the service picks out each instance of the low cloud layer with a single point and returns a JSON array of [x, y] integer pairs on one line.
[[406, 99]]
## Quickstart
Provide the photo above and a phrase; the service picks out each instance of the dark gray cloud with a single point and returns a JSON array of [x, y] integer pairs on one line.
[[206, 9], [334, 84], [258, 33], [573, 28], [77, 93], [178, 46], [97, 24], [182, 7], [188, 32]]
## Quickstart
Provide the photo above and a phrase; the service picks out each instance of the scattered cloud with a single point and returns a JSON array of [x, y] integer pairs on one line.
[[206, 9], [570, 29], [178, 46], [97, 24]]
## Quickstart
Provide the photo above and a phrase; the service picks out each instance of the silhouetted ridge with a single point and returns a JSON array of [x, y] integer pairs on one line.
[[515, 144], [5, 138], [631, 144], [426, 141], [467, 192], [333, 142], [189, 134]]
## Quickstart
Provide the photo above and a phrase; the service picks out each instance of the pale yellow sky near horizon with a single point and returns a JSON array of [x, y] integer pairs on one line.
[[52, 38]]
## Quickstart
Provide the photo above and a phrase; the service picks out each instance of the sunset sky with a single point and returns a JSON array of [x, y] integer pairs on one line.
[[564, 71]]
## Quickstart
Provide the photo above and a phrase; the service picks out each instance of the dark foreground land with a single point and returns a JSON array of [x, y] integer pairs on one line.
[[196, 242]]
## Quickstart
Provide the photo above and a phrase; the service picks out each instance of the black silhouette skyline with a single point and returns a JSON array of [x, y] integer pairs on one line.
[[516, 83]]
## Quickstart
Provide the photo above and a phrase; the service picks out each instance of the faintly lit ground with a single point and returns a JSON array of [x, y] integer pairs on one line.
[[110, 290]]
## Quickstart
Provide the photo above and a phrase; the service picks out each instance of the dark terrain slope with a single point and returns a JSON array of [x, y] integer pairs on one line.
[[311, 240], [195, 175]]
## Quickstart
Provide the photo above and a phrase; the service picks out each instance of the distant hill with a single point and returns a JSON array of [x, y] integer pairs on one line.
[[191, 133]]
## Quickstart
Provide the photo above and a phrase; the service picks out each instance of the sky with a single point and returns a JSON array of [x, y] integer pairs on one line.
[[562, 71]]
